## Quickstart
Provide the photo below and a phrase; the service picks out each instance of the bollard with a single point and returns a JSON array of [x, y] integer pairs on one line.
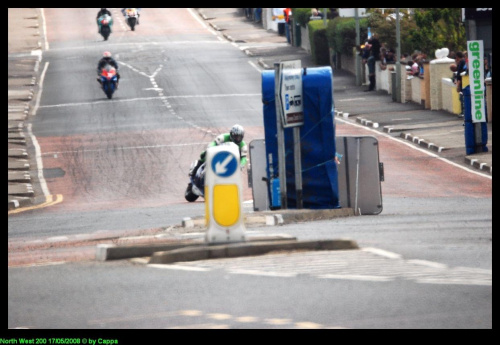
[[223, 195]]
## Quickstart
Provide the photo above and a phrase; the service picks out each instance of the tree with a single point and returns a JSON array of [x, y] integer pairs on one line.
[[438, 28]]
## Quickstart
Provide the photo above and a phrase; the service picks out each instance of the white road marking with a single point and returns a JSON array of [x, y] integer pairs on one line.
[[39, 164], [178, 267], [367, 264], [126, 148], [397, 139], [149, 99]]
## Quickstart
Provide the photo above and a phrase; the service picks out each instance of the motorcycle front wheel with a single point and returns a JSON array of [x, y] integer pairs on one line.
[[189, 195], [105, 31], [109, 90], [131, 23]]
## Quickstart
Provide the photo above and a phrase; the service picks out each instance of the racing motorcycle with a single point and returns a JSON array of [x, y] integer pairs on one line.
[[106, 21], [196, 185], [109, 79], [131, 17]]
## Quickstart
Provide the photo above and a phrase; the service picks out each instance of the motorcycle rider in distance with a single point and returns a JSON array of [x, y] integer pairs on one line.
[[235, 135], [102, 12], [107, 60], [138, 13]]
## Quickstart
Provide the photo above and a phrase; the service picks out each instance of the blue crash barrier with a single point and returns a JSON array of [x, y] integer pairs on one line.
[[317, 135]]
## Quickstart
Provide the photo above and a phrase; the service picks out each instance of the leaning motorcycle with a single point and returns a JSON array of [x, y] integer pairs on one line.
[[109, 80], [196, 185], [105, 21], [131, 17]]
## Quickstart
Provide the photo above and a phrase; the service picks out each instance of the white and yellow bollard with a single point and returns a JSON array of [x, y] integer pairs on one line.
[[223, 195]]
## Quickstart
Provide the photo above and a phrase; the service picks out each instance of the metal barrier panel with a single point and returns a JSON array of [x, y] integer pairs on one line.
[[258, 175], [360, 174]]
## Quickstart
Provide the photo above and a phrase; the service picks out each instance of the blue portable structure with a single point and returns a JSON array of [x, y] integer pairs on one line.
[[317, 136]]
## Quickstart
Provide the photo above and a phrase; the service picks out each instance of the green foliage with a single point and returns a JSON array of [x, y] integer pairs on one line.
[[301, 15], [438, 28], [341, 34], [385, 28], [423, 29], [319, 42]]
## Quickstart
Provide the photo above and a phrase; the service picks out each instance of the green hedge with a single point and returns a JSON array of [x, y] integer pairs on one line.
[[301, 15], [319, 42], [341, 34]]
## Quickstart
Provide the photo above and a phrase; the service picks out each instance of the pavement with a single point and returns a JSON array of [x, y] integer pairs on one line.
[[437, 131]]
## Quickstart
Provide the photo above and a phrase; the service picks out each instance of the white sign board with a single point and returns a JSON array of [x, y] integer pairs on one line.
[[475, 53], [290, 93]]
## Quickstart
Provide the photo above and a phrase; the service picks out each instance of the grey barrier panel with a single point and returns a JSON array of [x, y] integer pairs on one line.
[[360, 174], [257, 176]]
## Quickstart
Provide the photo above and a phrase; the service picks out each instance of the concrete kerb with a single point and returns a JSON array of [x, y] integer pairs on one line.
[[106, 252], [279, 217], [246, 249]]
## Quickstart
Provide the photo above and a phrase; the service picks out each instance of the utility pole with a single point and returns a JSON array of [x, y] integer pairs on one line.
[[358, 42], [398, 58]]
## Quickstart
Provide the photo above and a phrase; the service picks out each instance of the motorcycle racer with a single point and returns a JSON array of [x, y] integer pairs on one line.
[[235, 135], [102, 12], [107, 60]]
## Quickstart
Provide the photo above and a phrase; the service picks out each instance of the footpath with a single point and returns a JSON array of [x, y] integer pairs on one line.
[[438, 131]]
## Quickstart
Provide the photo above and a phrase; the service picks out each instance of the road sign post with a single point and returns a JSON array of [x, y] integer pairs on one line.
[[289, 108]]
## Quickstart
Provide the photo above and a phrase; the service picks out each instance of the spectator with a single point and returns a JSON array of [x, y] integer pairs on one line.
[[371, 70], [390, 57], [258, 15], [487, 70], [383, 60], [279, 18], [248, 13], [461, 67], [287, 12], [315, 12], [453, 69], [365, 52], [332, 13], [375, 43]]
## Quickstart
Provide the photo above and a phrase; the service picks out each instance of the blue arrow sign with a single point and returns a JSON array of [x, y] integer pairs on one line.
[[224, 164]]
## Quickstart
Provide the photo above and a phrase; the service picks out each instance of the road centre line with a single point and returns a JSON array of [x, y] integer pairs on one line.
[[86, 48], [125, 148], [149, 99]]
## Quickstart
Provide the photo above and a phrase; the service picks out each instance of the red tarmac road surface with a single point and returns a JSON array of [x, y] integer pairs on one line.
[[148, 168]]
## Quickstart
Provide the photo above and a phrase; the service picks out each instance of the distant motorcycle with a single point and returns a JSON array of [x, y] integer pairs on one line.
[[109, 80], [105, 21], [131, 17], [196, 185]]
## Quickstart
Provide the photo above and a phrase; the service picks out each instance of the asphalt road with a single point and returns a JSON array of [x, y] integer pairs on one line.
[[425, 262]]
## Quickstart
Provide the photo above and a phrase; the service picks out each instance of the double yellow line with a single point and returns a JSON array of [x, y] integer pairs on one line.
[[49, 201]]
